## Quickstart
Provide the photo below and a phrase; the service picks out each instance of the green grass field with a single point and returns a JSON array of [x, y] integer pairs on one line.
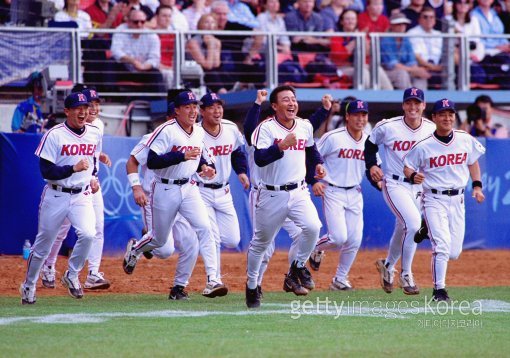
[[361, 323]]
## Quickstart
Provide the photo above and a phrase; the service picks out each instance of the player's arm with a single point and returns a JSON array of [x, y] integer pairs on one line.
[[314, 168], [321, 114], [105, 159], [157, 161], [51, 171], [252, 117], [134, 181], [474, 171], [370, 151], [414, 176]]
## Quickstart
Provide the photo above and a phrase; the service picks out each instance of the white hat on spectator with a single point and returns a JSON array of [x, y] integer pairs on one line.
[[399, 18]]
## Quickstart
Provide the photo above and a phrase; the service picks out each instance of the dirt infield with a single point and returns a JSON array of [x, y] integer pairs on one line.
[[475, 268]]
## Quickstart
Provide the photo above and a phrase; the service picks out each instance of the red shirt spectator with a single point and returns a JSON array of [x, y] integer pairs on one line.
[[105, 15], [373, 20]]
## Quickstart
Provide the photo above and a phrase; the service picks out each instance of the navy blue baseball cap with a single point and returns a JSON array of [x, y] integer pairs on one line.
[[414, 93], [211, 98], [75, 100], [444, 105], [91, 95], [185, 98], [357, 106]]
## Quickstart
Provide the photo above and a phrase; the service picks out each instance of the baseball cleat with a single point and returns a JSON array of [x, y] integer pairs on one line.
[[305, 278], [386, 276], [130, 258], [340, 285], [422, 233], [178, 293], [408, 285], [291, 283], [214, 289], [252, 297], [27, 295], [73, 285], [440, 295], [315, 259], [48, 276], [96, 281], [261, 293]]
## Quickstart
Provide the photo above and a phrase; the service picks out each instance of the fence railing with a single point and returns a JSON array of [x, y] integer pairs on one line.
[[246, 59]]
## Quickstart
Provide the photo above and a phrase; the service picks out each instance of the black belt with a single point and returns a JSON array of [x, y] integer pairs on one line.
[[68, 190], [286, 187], [405, 180], [342, 187], [449, 192], [212, 185], [174, 181]]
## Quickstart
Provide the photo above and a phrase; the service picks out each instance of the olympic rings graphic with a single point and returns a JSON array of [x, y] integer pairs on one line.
[[116, 190]]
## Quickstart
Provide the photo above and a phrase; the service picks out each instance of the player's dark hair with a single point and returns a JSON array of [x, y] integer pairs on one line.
[[78, 87], [273, 97]]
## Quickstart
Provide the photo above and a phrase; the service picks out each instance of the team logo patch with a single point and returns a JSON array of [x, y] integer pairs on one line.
[[446, 103], [414, 91], [81, 97], [360, 105]]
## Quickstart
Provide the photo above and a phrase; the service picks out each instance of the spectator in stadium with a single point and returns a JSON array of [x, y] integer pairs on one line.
[[467, 25], [72, 12], [442, 8], [179, 21], [497, 59], [305, 19], [504, 14], [373, 19], [331, 13], [137, 5], [343, 48], [105, 15], [412, 12], [28, 117], [206, 51], [138, 55], [194, 12], [271, 21], [480, 116], [428, 46], [240, 13], [398, 59], [164, 22]]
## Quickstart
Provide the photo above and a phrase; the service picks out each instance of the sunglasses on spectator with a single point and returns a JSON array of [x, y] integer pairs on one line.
[[136, 22]]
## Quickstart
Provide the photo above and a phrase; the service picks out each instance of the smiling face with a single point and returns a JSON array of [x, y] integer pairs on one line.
[[187, 115], [77, 116], [286, 106], [444, 121], [355, 122], [212, 115], [93, 111], [413, 109]]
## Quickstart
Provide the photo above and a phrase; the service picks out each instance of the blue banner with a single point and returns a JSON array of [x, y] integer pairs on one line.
[[21, 184]]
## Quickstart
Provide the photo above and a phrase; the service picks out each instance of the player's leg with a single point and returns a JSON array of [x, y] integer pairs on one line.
[[186, 242], [95, 279], [457, 217], [435, 211], [52, 212], [270, 212], [349, 250], [226, 221], [195, 212], [209, 198], [83, 218], [48, 271], [294, 232]]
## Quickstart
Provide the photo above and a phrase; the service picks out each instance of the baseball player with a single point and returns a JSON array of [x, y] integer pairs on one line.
[[224, 141], [342, 151], [185, 239], [95, 279], [66, 158], [174, 155], [397, 136], [250, 123], [284, 145], [442, 163]]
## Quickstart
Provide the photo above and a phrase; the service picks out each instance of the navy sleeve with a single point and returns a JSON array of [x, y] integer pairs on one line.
[[250, 122], [94, 172], [318, 117], [266, 156], [51, 171], [313, 157], [239, 161], [202, 162], [155, 161], [370, 154]]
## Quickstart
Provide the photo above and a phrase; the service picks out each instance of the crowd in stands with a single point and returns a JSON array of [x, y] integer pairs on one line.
[[226, 59]]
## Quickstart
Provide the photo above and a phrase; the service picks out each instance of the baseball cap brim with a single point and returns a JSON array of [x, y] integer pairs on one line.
[[414, 97]]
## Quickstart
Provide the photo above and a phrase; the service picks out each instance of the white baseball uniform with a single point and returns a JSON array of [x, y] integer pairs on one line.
[[445, 166], [172, 192], [282, 193], [344, 161], [96, 250], [216, 191], [403, 198], [65, 198], [185, 238]]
